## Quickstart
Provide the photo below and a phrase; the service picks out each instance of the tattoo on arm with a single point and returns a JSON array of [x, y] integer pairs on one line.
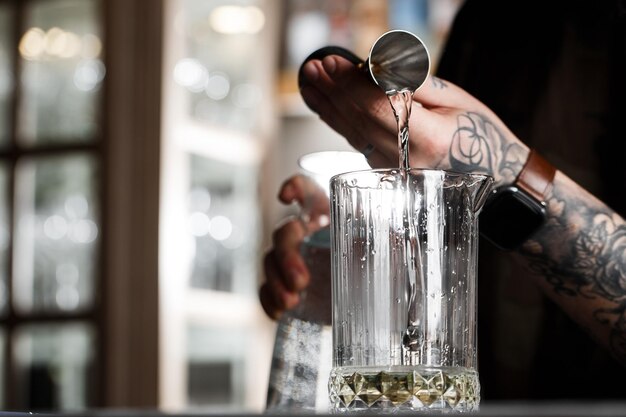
[[581, 251], [478, 145], [591, 264], [438, 83]]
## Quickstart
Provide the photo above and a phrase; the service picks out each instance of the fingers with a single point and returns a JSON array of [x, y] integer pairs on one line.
[[273, 306], [285, 271], [355, 83], [266, 297], [347, 119], [274, 296], [349, 103], [435, 92], [306, 192], [312, 199]]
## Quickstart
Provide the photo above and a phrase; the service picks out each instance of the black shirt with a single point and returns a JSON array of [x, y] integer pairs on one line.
[[555, 72]]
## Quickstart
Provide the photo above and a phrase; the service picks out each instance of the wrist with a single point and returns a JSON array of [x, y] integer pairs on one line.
[[515, 211], [481, 143], [509, 165]]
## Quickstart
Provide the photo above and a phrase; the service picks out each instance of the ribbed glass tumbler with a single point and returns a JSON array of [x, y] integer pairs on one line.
[[403, 258]]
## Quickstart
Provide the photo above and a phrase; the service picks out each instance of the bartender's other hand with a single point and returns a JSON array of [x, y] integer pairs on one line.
[[285, 270]]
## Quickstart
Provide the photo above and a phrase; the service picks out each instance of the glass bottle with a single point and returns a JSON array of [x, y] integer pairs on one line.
[[302, 356]]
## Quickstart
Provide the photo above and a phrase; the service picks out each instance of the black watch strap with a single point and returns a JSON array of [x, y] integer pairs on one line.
[[536, 176]]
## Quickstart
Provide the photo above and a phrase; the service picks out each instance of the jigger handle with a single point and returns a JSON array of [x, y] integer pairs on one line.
[[331, 50]]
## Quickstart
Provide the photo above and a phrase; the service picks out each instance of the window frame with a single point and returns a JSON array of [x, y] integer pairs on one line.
[[125, 310], [11, 155]]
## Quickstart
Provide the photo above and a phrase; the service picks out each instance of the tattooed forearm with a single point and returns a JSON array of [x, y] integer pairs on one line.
[[478, 145], [581, 253]]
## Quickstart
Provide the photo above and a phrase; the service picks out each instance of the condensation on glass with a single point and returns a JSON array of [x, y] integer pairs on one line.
[[54, 366], [56, 234], [62, 71], [6, 72], [223, 224]]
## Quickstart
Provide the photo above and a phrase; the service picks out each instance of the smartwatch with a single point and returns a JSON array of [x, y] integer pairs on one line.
[[513, 213]]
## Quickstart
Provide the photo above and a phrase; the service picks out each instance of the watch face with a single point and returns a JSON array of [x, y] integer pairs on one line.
[[510, 217]]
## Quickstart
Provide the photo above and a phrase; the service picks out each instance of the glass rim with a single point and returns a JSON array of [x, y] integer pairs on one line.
[[395, 171]]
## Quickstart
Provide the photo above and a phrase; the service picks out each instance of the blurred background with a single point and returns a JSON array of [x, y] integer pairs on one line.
[[142, 145]]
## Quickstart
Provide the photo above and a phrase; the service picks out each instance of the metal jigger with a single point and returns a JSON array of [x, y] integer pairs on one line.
[[397, 61]]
